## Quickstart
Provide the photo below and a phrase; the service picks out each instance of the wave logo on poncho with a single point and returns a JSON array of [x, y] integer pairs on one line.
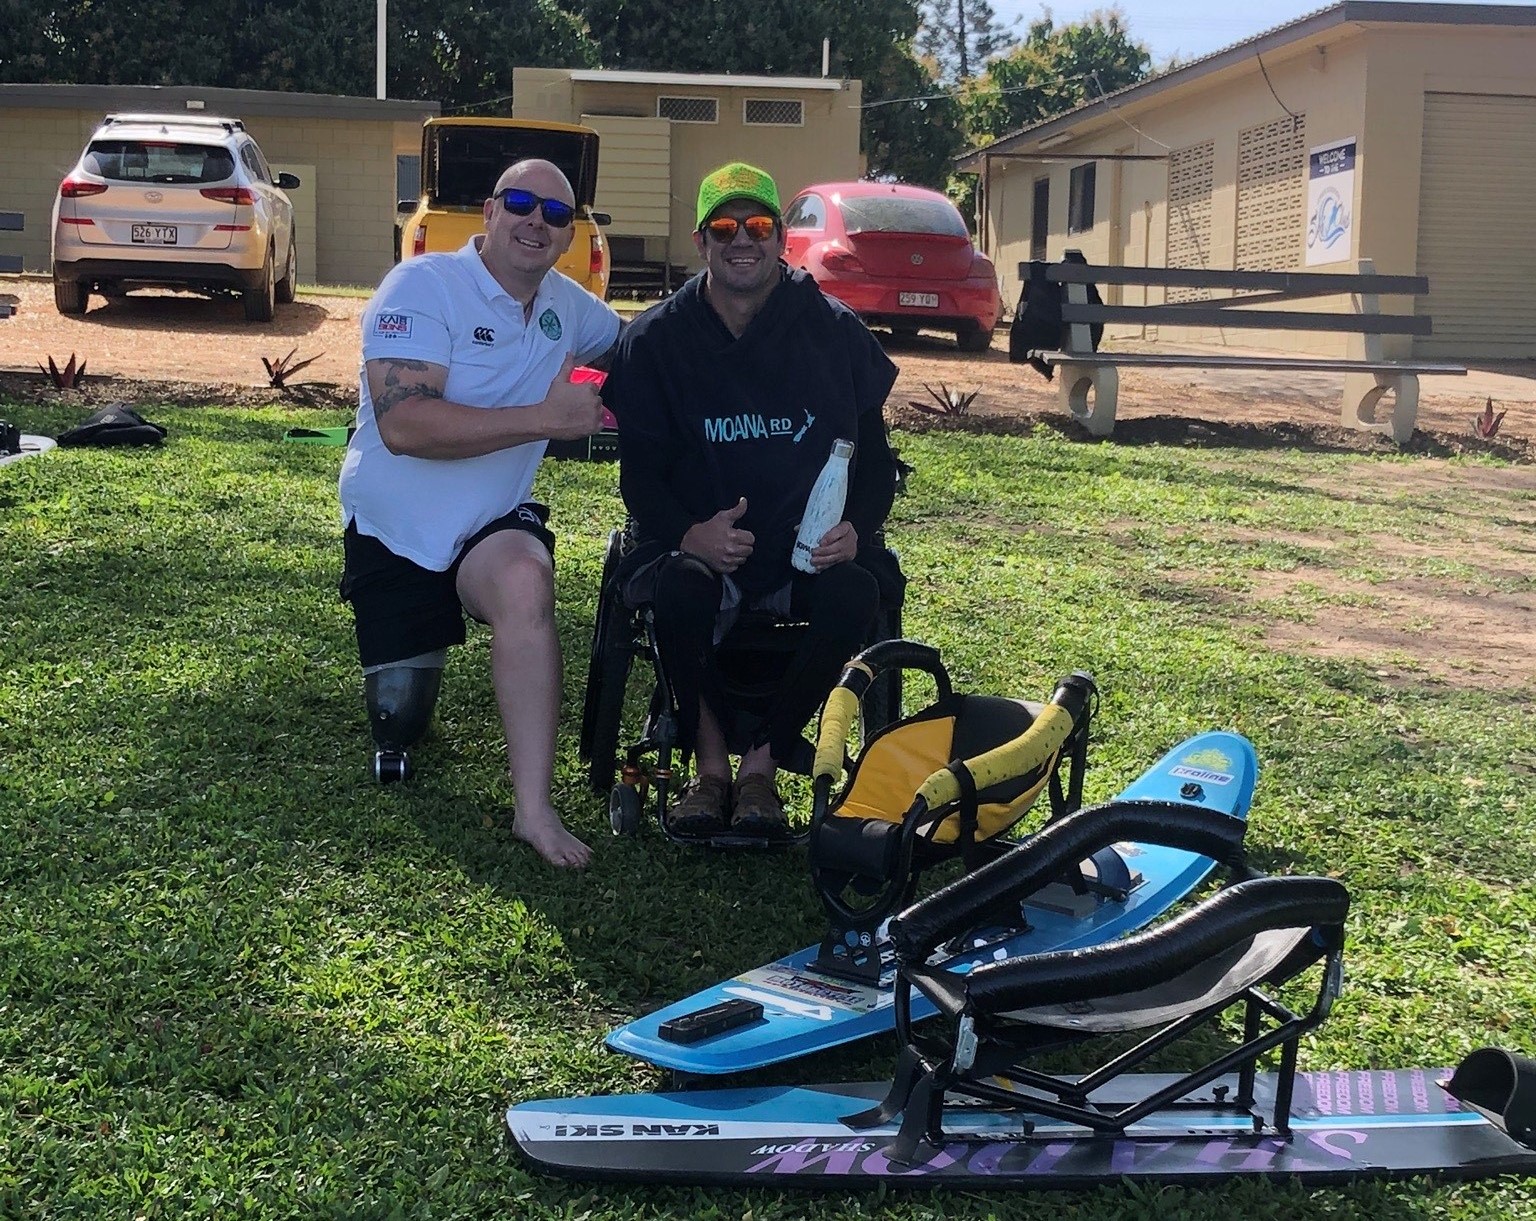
[[549, 323]]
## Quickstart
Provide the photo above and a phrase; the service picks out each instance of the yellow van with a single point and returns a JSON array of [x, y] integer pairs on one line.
[[461, 158]]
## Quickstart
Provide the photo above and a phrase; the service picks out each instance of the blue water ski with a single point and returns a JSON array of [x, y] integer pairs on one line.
[[1344, 1126], [805, 1011]]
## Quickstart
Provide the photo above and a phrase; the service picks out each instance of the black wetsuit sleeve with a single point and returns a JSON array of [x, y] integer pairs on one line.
[[647, 450], [659, 515], [873, 488]]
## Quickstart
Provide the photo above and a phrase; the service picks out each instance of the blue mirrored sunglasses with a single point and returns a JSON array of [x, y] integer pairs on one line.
[[556, 215]]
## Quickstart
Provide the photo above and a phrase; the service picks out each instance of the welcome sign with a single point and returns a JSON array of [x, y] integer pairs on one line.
[[1331, 202]]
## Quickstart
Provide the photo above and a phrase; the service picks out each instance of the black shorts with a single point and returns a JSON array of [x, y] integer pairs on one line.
[[402, 609]]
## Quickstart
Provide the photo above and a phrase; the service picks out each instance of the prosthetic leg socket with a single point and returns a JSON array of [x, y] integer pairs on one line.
[[400, 698]]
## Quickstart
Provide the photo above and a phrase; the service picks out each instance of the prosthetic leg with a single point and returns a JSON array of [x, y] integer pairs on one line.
[[400, 697]]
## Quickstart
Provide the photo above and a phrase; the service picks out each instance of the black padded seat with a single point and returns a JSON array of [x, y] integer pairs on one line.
[[1047, 855], [1251, 931], [861, 837], [1212, 982]]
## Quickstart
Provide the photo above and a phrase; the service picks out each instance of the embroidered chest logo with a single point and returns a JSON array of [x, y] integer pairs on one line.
[[484, 336], [396, 326], [549, 323]]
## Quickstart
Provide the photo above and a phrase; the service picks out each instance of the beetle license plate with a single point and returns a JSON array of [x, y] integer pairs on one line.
[[154, 235], [925, 300]]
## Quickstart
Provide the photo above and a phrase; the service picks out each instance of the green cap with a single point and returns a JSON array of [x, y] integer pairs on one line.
[[738, 180]]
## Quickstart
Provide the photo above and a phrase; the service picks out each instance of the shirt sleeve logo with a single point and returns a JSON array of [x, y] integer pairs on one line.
[[393, 326], [549, 323]]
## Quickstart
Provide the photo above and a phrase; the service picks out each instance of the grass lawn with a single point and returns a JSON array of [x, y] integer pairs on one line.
[[237, 979]]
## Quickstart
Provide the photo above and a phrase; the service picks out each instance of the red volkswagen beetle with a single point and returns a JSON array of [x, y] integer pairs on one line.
[[899, 256]]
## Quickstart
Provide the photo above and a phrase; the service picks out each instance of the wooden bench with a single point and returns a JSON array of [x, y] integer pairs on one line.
[[10, 264], [1380, 395]]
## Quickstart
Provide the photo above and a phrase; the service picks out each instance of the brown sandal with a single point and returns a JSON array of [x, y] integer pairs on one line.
[[701, 808], [758, 810]]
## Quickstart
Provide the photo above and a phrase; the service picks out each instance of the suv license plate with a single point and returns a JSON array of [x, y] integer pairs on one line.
[[926, 300], [154, 235]]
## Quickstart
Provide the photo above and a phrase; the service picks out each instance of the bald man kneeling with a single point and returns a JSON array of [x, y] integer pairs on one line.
[[466, 375]]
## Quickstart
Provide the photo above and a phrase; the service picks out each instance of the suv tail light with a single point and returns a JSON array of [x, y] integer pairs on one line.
[[73, 188], [595, 265], [233, 195], [419, 241]]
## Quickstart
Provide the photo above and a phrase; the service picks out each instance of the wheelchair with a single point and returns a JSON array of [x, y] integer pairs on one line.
[[751, 660]]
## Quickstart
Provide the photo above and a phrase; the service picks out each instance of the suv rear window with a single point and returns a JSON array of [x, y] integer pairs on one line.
[[888, 214], [159, 161], [470, 159]]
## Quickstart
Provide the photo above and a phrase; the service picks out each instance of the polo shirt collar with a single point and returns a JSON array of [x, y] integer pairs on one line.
[[485, 281]]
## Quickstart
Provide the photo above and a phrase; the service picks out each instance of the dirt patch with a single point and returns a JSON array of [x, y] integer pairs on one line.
[[182, 350], [1409, 627]]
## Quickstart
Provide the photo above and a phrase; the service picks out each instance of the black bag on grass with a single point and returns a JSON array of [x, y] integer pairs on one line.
[[114, 424]]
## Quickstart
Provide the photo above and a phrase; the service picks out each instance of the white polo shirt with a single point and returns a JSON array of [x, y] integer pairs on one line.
[[448, 309]]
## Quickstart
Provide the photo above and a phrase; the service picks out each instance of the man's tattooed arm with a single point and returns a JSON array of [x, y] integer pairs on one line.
[[394, 381]]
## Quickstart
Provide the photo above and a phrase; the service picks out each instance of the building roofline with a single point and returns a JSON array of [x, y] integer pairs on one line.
[[1309, 25], [239, 103], [724, 80]]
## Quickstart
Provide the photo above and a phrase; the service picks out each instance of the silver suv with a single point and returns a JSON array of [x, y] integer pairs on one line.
[[176, 200]]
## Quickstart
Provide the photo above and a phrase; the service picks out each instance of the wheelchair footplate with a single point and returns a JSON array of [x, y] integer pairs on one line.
[[729, 840]]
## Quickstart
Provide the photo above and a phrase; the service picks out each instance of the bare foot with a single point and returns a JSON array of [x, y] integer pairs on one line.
[[548, 837]]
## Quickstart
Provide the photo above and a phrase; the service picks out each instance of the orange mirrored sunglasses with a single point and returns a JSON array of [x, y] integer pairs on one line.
[[723, 228]]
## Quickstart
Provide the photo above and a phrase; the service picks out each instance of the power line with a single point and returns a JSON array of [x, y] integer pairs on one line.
[[1295, 118], [476, 105], [955, 93], [1115, 110]]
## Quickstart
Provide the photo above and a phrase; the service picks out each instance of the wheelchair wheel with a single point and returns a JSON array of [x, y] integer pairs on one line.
[[608, 714], [607, 624], [607, 676], [626, 810]]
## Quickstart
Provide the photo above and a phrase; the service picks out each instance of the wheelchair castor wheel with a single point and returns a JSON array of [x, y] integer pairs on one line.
[[625, 810], [391, 766]]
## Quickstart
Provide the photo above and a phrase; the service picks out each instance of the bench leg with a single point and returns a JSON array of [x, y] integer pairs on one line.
[[1077, 383], [1363, 394]]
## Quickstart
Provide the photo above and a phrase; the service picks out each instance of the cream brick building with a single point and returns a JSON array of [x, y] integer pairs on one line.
[[343, 149], [1404, 133], [662, 132]]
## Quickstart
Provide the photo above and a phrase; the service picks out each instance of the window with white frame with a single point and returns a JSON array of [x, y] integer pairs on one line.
[[773, 112], [688, 110]]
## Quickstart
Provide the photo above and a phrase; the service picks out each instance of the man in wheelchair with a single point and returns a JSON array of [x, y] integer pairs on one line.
[[729, 396]]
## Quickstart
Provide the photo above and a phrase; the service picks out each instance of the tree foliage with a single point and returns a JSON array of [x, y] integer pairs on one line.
[[456, 52], [1052, 71], [912, 124], [872, 40], [959, 36], [461, 53]]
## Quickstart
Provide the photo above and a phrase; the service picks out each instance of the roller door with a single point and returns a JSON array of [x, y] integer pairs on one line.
[[1477, 236]]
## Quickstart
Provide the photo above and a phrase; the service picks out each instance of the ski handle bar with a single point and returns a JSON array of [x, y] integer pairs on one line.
[[1018, 757]]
